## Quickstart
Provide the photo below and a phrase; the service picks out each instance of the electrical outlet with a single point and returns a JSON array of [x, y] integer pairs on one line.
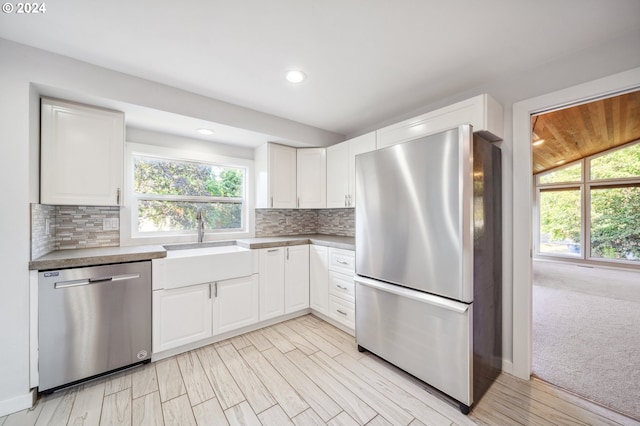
[[110, 224]]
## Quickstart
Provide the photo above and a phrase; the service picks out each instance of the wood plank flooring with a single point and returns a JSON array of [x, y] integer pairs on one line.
[[300, 372]]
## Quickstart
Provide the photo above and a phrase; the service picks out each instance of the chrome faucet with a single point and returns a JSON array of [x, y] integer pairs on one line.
[[200, 224]]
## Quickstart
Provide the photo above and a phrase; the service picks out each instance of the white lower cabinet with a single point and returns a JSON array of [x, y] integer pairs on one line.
[[271, 282], [284, 280], [189, 314], [319, 278], [296, 278], [341, 286], [235, 303], [181, 316]]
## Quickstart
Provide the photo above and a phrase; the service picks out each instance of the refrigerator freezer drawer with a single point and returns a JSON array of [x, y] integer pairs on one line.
[[428, 336]]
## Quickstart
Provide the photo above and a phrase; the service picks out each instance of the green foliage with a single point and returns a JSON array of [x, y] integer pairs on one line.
[[560, 216], [570, 173], [622, 163], [615, 223], [159, 178]]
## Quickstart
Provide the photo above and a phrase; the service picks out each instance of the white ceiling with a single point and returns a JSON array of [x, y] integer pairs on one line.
[[366, 60]]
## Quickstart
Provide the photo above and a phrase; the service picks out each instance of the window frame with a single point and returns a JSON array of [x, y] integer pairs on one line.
[[586, 184], [129, 234]]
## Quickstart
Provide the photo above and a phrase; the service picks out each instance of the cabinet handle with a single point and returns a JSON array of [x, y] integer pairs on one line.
[[209, 290], [298, 202], [272, 250], [118, 196], [341, 312], [345, 200], [215, 294], [272, 202], [341, 287], [287, 253], [342, 262], [350, 200]]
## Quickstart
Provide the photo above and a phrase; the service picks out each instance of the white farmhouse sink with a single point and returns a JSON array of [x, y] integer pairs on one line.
[[188, 266]]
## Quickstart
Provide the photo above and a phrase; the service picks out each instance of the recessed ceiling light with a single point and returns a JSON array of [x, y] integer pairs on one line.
[[295, 76], [538, 142], [561, 162], [204, 131]]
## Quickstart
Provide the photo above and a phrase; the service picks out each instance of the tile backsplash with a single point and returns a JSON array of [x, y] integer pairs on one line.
[[279, 222], [71, 227]]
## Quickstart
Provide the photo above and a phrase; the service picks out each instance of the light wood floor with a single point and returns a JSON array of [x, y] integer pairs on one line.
[[302, 372]]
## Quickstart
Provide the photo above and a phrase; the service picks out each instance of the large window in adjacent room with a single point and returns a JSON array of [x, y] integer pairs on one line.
[[590, 209]]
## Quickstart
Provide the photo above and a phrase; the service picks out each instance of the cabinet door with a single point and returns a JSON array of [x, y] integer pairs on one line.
[[296, 278], [359, 145], [311, 181], [81, 155], [271, 283], [181, 316], [337, 175], [282, 176], [235, 303], [319, 278]]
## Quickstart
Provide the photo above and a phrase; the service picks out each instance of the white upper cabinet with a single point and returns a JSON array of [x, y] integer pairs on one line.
[[311, 178], [275, 176], [81, 154], [483, 112], [341, 169]]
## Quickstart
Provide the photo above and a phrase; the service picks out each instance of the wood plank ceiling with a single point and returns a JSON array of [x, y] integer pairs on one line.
[[573, 133]]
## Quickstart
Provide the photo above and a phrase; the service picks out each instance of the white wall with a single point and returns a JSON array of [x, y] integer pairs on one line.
[[25, 73]]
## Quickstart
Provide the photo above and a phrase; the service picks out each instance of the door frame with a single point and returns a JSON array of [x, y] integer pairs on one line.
[[523, 204]]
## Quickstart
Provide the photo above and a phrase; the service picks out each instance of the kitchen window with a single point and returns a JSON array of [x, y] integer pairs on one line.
[[590, 209], [167, 187]]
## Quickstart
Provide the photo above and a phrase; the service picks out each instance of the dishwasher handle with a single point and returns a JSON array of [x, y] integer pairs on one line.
[[88, 281]]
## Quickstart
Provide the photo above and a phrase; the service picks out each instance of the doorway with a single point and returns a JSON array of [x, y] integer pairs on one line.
[[522, 204]]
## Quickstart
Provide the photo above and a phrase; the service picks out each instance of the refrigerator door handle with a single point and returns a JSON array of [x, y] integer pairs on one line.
[[430, 299]]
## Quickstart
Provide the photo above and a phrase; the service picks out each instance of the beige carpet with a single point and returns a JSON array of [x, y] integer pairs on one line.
[[586, 332]]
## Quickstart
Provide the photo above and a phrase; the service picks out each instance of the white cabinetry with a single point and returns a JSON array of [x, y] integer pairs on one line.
[[235, 303], [81, 160], [341, 169], [271, 282], [193, 313], [311, 178], [319, 278], [341, 286], [181, 316], [275, 176], [483, 112], [284, 280], [296, 278]]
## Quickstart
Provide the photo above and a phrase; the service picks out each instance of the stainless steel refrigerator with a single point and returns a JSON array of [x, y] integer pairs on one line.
[[428, 260]]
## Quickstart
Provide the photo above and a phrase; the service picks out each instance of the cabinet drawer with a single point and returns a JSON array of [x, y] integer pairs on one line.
[[342, 286], [342, 261], [342, 311]]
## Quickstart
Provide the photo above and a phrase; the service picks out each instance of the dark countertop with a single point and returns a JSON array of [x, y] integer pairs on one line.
[[335, 241], [105, 255], [96, 256]]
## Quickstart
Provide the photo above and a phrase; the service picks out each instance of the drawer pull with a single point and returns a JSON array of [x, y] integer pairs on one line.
[[341, 312], [272, 250], [341, 287], [342, 262]]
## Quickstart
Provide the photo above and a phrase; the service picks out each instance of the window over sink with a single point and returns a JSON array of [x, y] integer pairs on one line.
[[167, 187]]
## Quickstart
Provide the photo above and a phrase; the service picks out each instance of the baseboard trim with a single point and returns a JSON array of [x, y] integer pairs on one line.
[[507, 366], [18, 403]]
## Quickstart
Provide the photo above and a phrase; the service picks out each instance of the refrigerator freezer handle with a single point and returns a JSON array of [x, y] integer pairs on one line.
[[430, 299]]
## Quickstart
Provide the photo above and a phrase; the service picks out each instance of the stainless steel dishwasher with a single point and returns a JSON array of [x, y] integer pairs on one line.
[[91, 321]]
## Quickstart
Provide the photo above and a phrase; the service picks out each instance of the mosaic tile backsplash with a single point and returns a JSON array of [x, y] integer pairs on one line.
[[280, 222], [71, 227]]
